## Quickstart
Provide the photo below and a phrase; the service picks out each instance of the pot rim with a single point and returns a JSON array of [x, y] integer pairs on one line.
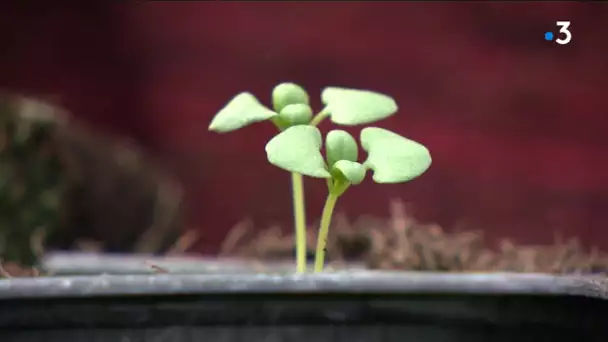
[[346, 281]]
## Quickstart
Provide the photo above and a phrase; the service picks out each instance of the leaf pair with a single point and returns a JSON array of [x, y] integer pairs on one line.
[[291, 107], [393, 158], [297, 148]]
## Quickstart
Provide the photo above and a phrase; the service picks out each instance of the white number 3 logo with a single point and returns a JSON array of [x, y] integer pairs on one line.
[[565, 34]]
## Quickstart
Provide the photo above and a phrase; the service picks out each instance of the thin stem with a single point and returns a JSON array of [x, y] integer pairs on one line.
[[328, 211], [297, 185], [299, 211], [319, 117]]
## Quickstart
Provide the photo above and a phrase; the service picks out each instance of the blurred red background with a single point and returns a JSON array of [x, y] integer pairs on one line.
[[516, 125]]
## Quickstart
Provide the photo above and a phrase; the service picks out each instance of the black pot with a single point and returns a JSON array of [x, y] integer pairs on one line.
[[344, 306]]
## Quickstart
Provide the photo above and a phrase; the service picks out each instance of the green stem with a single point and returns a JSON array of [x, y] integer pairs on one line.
[[297, 185], [299, 212], [319, 117], [328, 211]]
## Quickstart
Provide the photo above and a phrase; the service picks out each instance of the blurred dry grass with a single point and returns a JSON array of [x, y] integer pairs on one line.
[[402, 243]]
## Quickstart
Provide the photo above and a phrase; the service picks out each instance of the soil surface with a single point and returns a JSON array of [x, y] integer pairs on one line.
[[402, 243]]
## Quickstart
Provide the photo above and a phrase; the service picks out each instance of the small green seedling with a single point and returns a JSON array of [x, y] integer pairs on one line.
[[297, 148]]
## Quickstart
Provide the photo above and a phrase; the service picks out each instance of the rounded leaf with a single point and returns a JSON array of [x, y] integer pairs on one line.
[[296, 114], [349, 170], [243, 110], [340, 145], [393, 158], [355, 107], [298, 149], [288, 93]]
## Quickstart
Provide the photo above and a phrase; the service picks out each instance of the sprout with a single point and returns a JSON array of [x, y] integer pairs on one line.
[[297, 147]]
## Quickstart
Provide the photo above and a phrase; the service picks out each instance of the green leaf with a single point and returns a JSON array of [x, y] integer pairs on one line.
[[296, 114], [393, 158], [339, 145], [288, 93], [298, 149], [349, 170], [243, 110], [355, 107]]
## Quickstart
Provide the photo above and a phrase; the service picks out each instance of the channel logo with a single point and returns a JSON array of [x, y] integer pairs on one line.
[[563, 36]]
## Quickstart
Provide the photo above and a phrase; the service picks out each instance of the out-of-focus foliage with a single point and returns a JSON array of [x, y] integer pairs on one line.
[[31, 186], [64, 186]]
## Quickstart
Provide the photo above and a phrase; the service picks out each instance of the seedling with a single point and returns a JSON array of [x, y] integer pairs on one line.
[[297, 148]]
